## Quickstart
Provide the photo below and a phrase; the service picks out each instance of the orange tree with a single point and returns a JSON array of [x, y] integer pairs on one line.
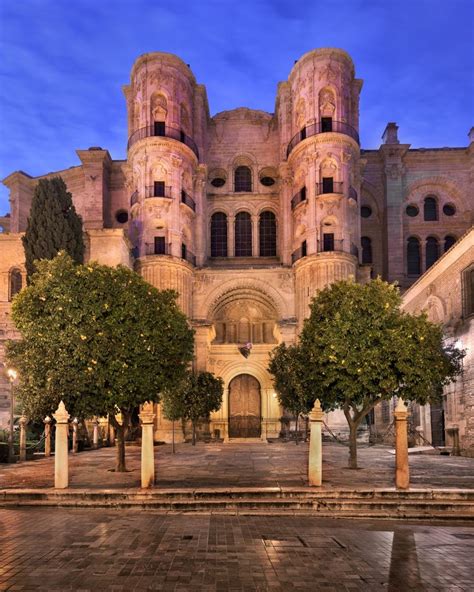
[[358, 348], [99, 338]]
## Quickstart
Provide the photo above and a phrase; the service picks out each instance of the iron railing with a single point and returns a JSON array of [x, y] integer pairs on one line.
[[339, 127], [352, 193], [354, 250], [188, 200], [155, 249], [134, 198], [152, 191], [298, 198], [168, 132], [299, 253], [329, 246], [189, 257], [334, 187]]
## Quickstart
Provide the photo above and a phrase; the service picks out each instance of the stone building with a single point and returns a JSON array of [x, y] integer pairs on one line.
[[247, 214]]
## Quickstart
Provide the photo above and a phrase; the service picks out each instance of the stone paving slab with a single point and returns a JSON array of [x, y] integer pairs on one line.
[[128, 551], [258, 465]]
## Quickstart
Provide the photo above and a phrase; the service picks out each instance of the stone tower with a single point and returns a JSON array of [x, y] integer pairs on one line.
[[318, 112]]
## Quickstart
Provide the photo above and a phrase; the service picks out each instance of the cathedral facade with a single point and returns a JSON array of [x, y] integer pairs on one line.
[[247, 214]]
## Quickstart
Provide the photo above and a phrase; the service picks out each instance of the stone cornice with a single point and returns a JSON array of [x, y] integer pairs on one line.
[[169, 59], [322, 140], [164, 143], [325, 257]]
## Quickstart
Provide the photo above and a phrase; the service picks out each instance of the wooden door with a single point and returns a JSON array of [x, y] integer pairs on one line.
[[244, 407]]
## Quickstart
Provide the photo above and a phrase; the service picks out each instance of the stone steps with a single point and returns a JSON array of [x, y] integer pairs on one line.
[[388, 503]]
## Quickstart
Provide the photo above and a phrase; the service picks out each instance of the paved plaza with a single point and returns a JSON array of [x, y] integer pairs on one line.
[[111, 550], [276, 464]]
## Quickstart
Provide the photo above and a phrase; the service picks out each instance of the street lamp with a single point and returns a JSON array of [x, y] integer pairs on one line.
[[12, 376]]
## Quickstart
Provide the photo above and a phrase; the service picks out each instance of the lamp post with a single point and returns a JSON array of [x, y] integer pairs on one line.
[[12, 375]]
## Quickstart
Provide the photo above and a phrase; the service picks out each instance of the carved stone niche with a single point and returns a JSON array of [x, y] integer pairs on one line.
[[244, 318]]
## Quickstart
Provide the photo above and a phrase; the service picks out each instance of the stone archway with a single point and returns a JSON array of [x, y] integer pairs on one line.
[[245, 407]]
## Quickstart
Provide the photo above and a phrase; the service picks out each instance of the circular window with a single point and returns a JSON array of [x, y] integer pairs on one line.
[[218, 182], [412, 211], [366, 211], [121, 216], [449, 210], [267, 181]]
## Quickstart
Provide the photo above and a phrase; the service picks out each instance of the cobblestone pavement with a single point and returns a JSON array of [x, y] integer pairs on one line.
[[245, 465], [96, 550]]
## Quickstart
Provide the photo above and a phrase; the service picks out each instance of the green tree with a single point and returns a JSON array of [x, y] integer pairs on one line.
[[196, 398], [53, 225], [99, 338], [358, 348], [286, 368]]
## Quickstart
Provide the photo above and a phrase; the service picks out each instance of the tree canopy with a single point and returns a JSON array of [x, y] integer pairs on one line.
[[99, 338], [357, 348], [53, 225]]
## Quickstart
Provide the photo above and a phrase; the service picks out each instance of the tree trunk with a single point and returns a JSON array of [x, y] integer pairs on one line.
[[120, 431], [194, 434], [172, 437], [353, 445]]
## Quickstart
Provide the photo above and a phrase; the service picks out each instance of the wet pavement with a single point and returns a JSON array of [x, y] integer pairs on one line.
[[276, 464], [116, 550]]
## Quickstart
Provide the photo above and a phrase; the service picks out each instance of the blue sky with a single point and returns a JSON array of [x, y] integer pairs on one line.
[[64, 61]]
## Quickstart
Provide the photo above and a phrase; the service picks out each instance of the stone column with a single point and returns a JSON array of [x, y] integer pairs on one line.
[[75, 421], [23, 422], [95, 434], [61, 468], [255, 236], [402, 473], [47, 436], [148, 453], [315, 461]]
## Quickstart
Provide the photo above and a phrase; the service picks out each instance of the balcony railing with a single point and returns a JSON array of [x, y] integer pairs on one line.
[[352, 193], [340, 127], [168, 132], [133, 198], [153, 191], [189, 257], [334, 187], [329, 246], [157, 249], [299, 253], [298, 198], [188, 200]]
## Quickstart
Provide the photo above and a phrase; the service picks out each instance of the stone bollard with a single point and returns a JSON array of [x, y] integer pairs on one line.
[[47, 436], [402, 472], [61, 468], [148, 452], [75, 422], [95, 434], [315, 462], [23, 421]]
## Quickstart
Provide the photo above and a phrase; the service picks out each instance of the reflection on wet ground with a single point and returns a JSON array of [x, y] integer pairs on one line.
[[125, 550]]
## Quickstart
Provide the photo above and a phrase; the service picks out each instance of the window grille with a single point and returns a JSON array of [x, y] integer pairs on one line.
[[267, 228], [243, 235], [413, 256], [430, 209], [219, 235], [432, 251], [242, 179]]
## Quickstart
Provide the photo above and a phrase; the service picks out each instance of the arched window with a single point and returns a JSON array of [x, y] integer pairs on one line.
[[16, 282], [242, 179], [449, 242], [413, 256], [243, 235], [219, 235], [366, 243], [430, 209], [267, 230], [432, 251]]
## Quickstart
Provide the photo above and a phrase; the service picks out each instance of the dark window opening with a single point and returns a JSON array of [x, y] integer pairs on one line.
[[413, 256], [267, 228], [160, 247], [326, 124], [16, 282], [243, 179], [121, 216], [412, 211], [303, 133], [159, 189], [449, 242], [449, 210], [303, 249], [219, 235], [243, 235], [328, 241], [432, 251], [267, 181], [366, 243], [328, 185], [218, 182], [430, 209], [182, 136], [366, 211], [160, 128], [184, 251]]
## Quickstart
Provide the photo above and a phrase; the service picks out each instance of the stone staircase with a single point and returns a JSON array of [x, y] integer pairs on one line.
[[445, 504]]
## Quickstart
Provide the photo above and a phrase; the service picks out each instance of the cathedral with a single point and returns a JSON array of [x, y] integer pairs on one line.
[[247, 214]]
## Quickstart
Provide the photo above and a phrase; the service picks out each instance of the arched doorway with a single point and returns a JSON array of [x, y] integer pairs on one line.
[[245, 406]]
